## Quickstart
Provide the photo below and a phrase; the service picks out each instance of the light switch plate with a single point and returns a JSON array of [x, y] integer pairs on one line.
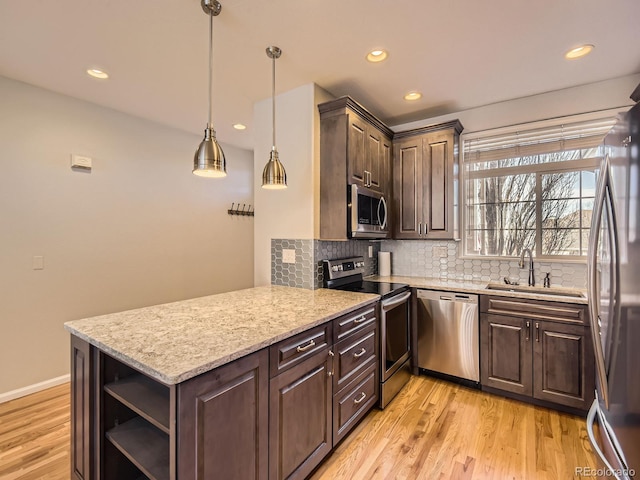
[[38, 262], [370, 251], [288, 255]]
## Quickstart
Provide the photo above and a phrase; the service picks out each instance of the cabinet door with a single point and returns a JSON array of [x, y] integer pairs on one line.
[[386, 168], [407, 188], [223, 421], [82, 409], [438, 185], [505, 344], [374, 166], [356, 151], [563, 369], [300, 418]]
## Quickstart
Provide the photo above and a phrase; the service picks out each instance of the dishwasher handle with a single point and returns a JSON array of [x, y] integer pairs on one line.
[[444, 296], [393, 302]]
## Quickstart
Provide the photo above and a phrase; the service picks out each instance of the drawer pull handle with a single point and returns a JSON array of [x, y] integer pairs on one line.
[[360, 400], [527, 330], [360, 353], [306, 347], [360, 320]]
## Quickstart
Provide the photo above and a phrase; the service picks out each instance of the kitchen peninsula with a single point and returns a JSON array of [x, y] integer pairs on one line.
[[186, 389]]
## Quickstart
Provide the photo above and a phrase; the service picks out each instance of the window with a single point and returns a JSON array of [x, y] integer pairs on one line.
[[531, 188]]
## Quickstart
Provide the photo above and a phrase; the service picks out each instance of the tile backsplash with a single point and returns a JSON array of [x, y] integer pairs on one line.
[[439, 259], [307, 271], [416, 258]]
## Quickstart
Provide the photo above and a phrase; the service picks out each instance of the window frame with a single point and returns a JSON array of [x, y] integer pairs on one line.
[[590, 164]]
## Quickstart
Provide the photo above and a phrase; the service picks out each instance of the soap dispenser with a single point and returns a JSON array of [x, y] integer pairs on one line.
[[547, 281]]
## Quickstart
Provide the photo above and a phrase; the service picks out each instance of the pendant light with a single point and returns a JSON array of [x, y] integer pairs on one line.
[[209, 159], [274, 176]]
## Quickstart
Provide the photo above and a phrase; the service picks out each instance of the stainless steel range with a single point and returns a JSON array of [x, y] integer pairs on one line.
[[395, 352]]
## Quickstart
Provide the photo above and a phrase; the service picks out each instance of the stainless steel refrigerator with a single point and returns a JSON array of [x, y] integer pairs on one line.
[[613, 422]]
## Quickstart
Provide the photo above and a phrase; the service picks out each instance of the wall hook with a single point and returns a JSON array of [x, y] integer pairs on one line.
[[246, 210]]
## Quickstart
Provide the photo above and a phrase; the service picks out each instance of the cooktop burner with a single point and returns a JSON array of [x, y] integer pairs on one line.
[[347, 274], [383, 289]]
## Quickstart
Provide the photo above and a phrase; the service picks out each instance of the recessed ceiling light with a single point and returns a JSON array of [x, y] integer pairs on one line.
[[239, 126], [578, 52], [413, 96], [377, 55], [96, 73]]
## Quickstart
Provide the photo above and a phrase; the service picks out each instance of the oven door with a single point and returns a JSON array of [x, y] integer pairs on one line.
[[367, 213], [394, 333]]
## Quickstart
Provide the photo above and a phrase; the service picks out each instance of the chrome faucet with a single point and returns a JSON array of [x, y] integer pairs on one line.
[[532, 280]]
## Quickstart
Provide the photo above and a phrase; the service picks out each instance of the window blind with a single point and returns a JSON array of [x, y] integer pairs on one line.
[[484, 147]]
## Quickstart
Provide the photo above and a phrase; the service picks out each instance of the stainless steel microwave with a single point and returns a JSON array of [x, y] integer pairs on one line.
[[367, 213]]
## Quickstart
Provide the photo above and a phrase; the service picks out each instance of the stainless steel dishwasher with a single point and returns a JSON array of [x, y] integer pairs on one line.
[[448, 334]]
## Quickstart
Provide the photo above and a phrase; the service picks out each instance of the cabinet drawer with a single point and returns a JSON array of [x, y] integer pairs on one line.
[[353, 355], [354, 322], [353, 403], [536, 309], [290, 352]]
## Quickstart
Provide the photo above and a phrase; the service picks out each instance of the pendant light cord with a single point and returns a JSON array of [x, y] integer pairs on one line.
[[273, 101], [210, 125]]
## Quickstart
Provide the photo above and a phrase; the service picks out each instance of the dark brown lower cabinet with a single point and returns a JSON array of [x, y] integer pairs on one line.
[[506, 354], [82, 390], [531, 356], [563, 370], [300, 417], [269, 415], [223, 422]]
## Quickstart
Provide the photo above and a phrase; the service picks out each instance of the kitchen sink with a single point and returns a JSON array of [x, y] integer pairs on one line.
[[554, 291]]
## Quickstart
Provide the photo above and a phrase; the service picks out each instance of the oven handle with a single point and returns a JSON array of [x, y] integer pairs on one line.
[[393, 302]]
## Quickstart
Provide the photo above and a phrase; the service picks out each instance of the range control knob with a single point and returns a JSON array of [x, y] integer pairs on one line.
[[334, 268]]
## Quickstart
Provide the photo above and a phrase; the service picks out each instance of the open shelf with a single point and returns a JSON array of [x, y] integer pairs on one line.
[[143, 444], [144, 396]]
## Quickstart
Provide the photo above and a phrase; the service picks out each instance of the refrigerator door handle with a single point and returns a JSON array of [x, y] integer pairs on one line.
[[591, 416], [616, 311], [598, 208]]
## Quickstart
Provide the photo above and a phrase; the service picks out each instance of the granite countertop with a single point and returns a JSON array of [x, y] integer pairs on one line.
[[177, 341], [480, 288]]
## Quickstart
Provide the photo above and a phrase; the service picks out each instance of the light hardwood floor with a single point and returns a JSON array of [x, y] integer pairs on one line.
[[34, 436], [432, 430]]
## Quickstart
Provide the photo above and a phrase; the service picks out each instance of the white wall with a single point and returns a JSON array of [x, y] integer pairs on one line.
[[138, 230], [569, 101], [288, 213]]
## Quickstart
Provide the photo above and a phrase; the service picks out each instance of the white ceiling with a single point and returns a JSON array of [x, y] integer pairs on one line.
[[458, 53]]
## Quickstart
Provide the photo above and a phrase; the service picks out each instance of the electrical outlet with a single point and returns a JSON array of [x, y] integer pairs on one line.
[[288, 255], [440, 252]]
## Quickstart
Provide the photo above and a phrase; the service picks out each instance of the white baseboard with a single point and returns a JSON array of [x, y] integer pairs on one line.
[[36, 387]]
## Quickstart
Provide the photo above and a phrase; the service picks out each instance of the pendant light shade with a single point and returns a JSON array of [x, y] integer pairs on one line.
[[274, 176], [209, 160]]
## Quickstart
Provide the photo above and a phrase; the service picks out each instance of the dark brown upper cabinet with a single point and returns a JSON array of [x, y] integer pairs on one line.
[[426, 182], [355, 148]]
